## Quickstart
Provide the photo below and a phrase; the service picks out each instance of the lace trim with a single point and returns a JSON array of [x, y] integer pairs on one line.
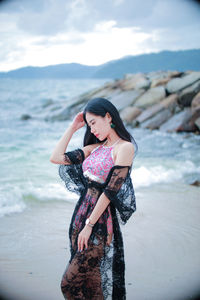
[[92, 177], [74, 157]]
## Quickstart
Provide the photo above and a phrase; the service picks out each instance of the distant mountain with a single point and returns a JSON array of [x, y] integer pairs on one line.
[[162, 61], [166, 60], [55, 71]]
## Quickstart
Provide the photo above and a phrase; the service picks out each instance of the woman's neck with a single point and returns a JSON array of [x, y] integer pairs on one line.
[[111, 139]]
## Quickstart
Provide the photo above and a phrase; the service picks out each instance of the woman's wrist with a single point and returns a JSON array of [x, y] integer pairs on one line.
[[89, 223], [72, 128], [88, 227]]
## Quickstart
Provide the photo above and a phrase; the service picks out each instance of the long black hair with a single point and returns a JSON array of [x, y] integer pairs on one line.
[[99, 107]]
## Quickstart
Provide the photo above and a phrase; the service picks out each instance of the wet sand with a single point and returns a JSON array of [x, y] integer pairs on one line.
[[161, 240]]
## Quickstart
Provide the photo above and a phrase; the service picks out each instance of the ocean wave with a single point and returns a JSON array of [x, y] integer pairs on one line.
[[51, 192], [146, 176], [10, 209], [19, 199]]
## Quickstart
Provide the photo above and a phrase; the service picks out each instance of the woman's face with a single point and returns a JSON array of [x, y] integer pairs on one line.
[[99, 126]]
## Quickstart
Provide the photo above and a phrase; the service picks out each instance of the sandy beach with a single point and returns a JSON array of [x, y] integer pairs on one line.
[[162, 246]]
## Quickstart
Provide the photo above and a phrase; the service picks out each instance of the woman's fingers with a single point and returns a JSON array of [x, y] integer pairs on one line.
[[83, 238], [86, 244], [81, 243], [78, 121]]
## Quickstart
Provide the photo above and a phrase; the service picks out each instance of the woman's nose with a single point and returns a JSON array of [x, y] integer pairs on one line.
[[92, 130]]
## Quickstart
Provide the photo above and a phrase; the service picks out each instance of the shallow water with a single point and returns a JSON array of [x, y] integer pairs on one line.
[[161, 239], [25, 146]]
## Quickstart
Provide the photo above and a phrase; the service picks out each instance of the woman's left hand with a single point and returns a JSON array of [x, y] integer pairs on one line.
[[84, 237]]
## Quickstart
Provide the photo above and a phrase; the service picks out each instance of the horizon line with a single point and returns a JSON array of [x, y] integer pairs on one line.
[[122, 57]]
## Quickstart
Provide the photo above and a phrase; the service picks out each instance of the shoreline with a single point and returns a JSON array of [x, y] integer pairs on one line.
[[161, 242]]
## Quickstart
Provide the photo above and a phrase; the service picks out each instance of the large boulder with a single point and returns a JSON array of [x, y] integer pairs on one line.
[[72, 105], [25, 117], [152, 96], [106, 92], [162, 74], [162, 78], [47, 102], [195, 183], [77, 103], [190, 123], [177, 84], [125, 98], [134, 81], [169, 102], [186, 96], [159, 81], [156, 121], [177, 120], [196, 101], [197, 123], [129, 113]]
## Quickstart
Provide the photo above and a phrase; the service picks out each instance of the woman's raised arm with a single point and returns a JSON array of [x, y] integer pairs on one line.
[[58, 157]]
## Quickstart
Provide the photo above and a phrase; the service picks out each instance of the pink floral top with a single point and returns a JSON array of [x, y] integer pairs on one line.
[[96, 167], [98, 164]]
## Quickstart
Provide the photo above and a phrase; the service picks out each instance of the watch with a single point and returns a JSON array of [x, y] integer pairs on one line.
[[87, 222]]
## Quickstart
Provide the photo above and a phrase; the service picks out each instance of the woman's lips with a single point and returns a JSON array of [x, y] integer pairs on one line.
[[97, 135]]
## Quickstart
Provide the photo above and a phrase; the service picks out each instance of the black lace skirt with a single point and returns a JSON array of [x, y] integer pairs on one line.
[[98, 272]]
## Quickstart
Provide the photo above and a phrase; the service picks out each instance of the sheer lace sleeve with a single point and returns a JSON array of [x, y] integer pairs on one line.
[[119, 190], [72, 174], [74, 157]]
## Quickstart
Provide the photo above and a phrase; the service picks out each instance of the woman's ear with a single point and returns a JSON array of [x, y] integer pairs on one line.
[[108, 116]]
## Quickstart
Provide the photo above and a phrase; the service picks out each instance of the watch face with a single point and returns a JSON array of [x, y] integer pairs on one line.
[[87, 221]]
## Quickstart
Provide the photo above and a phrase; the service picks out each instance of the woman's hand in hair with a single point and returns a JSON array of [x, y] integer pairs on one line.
[[78, 122]]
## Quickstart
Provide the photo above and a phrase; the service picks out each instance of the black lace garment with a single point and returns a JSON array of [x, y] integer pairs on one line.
[[99, 271]]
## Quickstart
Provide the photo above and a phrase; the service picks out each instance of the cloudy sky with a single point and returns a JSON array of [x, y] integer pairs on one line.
[[92, 32]]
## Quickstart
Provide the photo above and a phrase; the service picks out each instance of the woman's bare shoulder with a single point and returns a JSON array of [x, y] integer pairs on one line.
[[124, 153], [125, 146]]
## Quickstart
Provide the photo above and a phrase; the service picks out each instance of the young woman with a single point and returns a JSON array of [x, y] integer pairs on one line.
[[100, 174]]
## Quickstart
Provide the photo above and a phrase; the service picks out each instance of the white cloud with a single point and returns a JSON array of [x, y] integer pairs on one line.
[[92, 32], [105, 43]]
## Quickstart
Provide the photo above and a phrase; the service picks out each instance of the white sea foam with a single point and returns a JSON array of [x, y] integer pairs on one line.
[[146, 176], [11, 200], [53, 191], [10, 209], [16, 200]]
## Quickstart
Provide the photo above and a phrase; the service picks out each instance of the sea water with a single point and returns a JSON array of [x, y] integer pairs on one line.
[[28, 177]]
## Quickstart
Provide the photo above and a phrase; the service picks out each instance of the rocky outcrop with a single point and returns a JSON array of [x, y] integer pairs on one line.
[[169, 101], [128, 114], [186, 96], [196, 101], [190, 124], [195, 183], [177, 84], [25, 117], [197, 123], [134, 81], [162, 78], [176, 121], [151, 97]]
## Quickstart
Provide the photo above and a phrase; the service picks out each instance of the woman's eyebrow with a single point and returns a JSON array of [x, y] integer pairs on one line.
[[91, 121]]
